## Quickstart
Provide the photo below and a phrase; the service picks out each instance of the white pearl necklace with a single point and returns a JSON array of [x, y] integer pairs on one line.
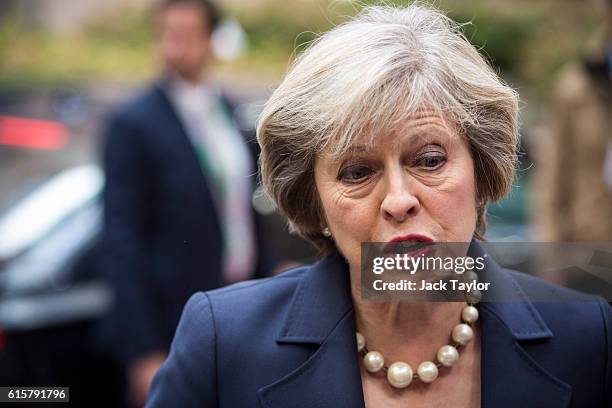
[[400, 374]]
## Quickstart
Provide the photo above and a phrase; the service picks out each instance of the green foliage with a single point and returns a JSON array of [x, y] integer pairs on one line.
[[523, 39], [501, 39], [117, 46], [277, 32]]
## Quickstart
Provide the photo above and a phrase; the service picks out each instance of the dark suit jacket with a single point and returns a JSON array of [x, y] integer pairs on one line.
[[162, 236], [289, 341]]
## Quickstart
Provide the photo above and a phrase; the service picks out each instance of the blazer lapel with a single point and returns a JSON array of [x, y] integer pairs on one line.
[[321, 314], [180, 136], [510, 377], [183, 144]]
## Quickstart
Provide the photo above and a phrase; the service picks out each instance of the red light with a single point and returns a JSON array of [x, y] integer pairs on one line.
[[32, 133]]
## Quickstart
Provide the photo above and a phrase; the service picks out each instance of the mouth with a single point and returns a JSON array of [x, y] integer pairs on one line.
[[411, 244]]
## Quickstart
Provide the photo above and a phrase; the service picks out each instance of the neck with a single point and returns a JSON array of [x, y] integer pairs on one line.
[[191, 79], [408, 331]]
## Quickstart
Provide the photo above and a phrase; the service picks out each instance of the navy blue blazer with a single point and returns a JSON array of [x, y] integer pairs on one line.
[[162, 234], [289, 341]]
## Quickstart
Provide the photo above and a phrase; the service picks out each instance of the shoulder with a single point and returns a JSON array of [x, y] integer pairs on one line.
[[139, 110], [247, 304], [192, 357], [218, 331], [243, 310], [538, 289], [132, 124], [562, 307]]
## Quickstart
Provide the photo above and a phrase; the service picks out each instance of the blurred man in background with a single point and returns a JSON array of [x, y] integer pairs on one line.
[[575, 171], [178, 214]]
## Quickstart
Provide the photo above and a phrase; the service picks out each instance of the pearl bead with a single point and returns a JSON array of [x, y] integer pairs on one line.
[[469, 314], [399, 374], [427, 371], [462, 334], [473, 296], [447, 355], [373, 361], [360, 342], [471, 276]]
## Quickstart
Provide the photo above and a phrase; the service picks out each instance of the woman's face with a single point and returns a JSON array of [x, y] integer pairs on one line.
[[416, 181]]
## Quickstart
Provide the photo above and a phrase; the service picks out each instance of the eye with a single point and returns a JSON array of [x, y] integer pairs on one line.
[[431, 160], [355, 173]]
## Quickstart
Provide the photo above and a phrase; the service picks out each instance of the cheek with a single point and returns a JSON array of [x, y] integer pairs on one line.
[[201, 50], [348, 216], [453, 205], [350, 219]]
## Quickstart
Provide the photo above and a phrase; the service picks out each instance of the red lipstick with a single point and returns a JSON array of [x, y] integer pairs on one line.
[[411, 244]]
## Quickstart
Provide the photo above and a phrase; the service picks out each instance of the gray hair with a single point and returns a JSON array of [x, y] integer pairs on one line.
[[367, 77]]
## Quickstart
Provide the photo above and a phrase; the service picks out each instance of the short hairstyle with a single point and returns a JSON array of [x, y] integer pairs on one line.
[[209, 10], [367, 77]]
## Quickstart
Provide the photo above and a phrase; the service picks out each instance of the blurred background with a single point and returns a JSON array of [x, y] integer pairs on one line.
[[65, 64]]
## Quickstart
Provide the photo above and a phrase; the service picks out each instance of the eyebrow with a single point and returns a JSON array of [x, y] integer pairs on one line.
[[421, 130]]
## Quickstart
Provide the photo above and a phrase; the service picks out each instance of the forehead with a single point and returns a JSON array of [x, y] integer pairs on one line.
[[423, 125], [185, 15], [426, 122]]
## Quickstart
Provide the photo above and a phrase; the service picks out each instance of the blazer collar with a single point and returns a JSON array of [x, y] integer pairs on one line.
[[321, 313], [508, 301], [321, 299]]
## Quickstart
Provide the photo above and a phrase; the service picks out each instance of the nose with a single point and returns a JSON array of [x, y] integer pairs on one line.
[[400, 200]]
